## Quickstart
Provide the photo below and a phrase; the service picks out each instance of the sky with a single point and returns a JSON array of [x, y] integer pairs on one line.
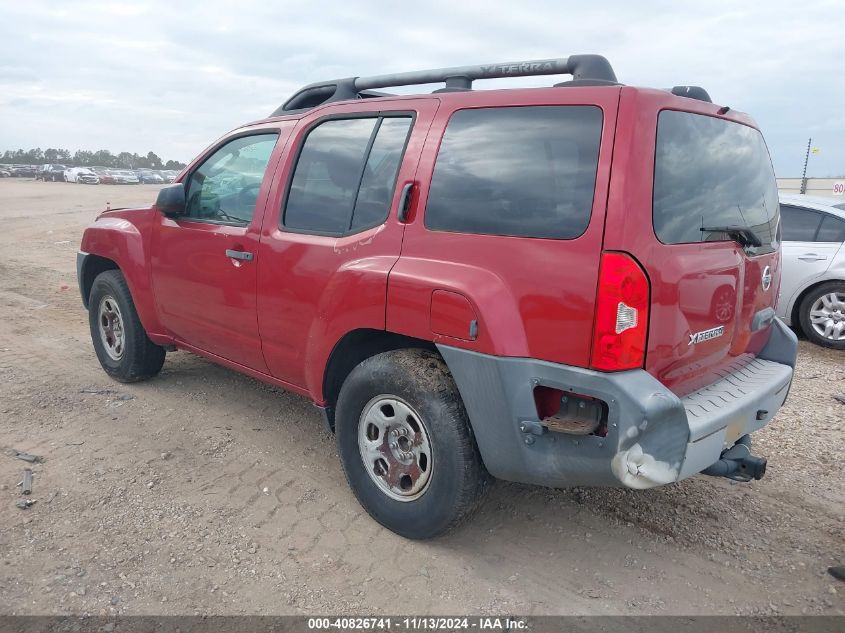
[[172, 76]]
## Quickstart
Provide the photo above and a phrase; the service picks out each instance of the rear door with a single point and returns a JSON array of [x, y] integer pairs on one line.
[[332, 234], [692, 185], [502, 249]]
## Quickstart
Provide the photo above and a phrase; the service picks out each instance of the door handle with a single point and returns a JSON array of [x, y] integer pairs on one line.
[[405, 202], [812, 257], [242, 255]]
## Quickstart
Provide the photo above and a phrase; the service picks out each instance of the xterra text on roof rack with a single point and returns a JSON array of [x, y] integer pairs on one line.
[[571, 285]]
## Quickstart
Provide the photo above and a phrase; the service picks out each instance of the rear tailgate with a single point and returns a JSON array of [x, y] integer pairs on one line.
[[689, 208]]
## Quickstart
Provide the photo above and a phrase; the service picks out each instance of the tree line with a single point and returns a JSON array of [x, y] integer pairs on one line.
[[85, 158]]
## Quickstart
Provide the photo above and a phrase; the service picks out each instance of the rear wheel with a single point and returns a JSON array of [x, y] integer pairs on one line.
[[822, 314], [122, 346], [406, 444]]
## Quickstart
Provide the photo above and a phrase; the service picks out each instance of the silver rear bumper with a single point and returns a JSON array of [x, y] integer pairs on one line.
[[653, 436]]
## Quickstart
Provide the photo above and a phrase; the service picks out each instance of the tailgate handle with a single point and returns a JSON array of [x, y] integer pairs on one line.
[[763, 318], [812, 257]]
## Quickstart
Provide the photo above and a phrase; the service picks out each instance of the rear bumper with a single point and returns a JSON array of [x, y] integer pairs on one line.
[[654, 437]]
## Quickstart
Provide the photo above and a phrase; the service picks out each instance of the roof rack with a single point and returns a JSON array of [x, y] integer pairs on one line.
[[592, 68]]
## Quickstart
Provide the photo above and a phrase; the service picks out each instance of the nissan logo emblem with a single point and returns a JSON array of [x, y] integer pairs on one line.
[[767, 278]]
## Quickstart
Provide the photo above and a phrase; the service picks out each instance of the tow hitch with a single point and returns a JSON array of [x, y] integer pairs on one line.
[[738, 463]]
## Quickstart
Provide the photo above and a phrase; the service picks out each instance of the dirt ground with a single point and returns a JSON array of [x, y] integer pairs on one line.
[[206, 492]]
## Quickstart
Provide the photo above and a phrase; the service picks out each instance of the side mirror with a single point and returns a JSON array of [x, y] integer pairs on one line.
[[171, 200]]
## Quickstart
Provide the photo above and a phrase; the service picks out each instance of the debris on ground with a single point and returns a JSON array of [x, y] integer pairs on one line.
[[840, 398], [26, 484], [837, 572], [24, 504], [27, 457]]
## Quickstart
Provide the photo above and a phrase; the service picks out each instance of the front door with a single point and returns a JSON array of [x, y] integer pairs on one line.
[[203, 263]]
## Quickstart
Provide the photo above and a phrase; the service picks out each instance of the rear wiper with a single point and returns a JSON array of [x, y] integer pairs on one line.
[[741, 234]]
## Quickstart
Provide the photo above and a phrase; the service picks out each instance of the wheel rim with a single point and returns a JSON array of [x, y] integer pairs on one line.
[[110, 323], [395, 448], [827, 316]]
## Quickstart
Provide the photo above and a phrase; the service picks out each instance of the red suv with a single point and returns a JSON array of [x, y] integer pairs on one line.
[[571, 285]]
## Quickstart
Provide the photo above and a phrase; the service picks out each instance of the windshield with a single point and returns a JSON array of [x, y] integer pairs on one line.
[[712, 174]]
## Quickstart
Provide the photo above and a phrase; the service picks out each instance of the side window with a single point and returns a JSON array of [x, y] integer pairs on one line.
[[225, 187], [520, 171], [345, 175], [799, 225], [379, 178], [832, 229]]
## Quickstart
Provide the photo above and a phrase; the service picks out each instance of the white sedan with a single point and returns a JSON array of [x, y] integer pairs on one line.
[[812, 292], [72, 173]]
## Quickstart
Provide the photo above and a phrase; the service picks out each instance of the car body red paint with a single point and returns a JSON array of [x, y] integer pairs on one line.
[[303, 293]]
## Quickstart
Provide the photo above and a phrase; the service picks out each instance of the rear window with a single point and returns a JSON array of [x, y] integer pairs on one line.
[[519, 171], [711, 173]]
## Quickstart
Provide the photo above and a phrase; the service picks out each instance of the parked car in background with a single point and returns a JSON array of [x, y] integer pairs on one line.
[[105, 175], [52, 172], [124, 177], [72, 173], [5, 173], [150, 178], [169, 175], [24, 171], [812, 295], [87, 177]]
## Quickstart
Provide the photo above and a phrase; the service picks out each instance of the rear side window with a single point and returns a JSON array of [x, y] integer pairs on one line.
[[345, 175], [711, 173], [799, 225], [831, 230], [518, 171], [379, 178], [806, 225]]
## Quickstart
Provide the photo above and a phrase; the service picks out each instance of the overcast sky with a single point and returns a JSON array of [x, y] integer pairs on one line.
[[172, 76]]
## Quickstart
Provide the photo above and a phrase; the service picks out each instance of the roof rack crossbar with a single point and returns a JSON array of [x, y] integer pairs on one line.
[[579, 66]]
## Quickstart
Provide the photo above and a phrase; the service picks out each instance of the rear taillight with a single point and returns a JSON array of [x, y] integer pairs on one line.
[[621, 324]]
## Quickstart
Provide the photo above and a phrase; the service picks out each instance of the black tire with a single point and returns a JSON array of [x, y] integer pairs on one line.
[[139, 358], [807, 302], [457, 477]]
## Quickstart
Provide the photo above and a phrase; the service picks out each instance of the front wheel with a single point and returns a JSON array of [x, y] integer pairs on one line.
[[122, 346], [822, 314], [406, 444]]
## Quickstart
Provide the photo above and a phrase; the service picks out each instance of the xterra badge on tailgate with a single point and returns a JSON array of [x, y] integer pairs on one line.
[[706, 335]]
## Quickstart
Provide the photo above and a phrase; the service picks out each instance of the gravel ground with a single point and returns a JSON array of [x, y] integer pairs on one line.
[[205, 492]]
